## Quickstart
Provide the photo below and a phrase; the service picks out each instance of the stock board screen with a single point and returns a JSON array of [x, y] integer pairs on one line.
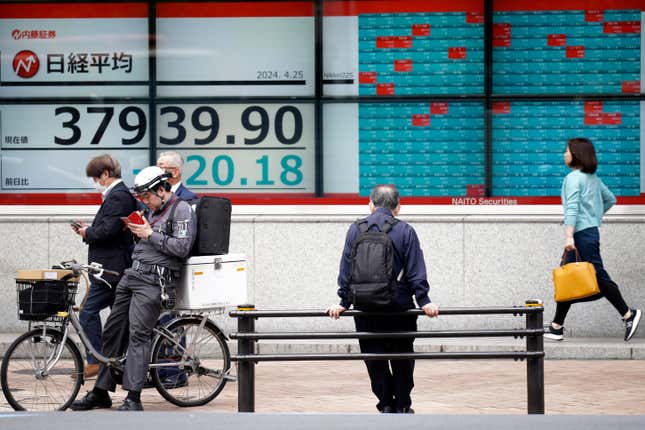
[[206, 52]]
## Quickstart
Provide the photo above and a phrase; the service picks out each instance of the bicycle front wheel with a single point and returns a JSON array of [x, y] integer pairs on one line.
[[35, 377], [190, 369]]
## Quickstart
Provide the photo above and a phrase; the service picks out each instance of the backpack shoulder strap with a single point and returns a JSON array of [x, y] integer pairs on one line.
[[171, 218], [362, 224], [387, 227], [389, 224]]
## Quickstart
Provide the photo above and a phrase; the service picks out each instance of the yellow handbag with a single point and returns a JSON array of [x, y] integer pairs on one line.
[[575, 280]]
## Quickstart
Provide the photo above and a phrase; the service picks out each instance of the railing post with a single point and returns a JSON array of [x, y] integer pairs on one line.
[[245, 368], [535, 365]]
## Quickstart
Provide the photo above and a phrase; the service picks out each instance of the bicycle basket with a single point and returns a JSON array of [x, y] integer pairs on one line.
[[39, 299]]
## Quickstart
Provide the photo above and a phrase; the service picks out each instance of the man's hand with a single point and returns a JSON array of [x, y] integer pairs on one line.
[[335, 311], [79, 228], [81, 231], [142, 231], [430, 310]]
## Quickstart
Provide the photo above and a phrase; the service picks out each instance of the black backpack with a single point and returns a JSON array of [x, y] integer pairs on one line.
[[371, 268], [213, 226]]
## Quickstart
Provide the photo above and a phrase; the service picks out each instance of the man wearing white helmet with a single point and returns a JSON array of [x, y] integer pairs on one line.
[[164, 240]]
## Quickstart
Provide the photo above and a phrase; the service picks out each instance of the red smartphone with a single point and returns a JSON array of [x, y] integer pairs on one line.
[[135, 218]]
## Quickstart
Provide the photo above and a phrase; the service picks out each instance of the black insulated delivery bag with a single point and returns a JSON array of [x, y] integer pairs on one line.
[[213, 226]]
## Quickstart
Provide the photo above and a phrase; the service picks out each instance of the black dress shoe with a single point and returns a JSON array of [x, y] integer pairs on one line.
[[405, 411], [130, 405], [388, 410], [91, 401]]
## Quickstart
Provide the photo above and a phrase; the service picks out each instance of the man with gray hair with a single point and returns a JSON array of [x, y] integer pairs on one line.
[[173, 163], [392, 388]]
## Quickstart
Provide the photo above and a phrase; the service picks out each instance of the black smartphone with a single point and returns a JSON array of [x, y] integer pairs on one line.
[[75, 225]]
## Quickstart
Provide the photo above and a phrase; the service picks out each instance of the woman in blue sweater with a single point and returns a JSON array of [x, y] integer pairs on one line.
[[585, 199]]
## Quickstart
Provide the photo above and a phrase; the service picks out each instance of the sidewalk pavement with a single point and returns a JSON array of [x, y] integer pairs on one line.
[[590, 387], [581, 387]]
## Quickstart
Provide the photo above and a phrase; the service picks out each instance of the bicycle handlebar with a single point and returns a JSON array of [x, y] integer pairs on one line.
[[111, 272], [93, 268]]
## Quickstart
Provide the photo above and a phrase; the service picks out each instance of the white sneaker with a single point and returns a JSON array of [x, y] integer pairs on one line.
[[554, 333], [631, 324]]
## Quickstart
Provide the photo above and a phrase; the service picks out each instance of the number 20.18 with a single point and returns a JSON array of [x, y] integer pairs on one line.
[[223, 170]]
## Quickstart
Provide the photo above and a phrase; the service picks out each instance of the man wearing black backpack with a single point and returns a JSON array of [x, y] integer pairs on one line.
[[381, 268]]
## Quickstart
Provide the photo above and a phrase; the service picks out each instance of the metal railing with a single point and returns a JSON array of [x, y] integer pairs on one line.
[[247, 337]]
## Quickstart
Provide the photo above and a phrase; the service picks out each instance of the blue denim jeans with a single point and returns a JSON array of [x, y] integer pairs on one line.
[[100, 297], [588, 244]]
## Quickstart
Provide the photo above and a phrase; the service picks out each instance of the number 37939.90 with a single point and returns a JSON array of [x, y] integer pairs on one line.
[[204, 125]]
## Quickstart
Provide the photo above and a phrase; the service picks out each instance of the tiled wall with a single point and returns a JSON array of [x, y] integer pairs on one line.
[[473, 260]]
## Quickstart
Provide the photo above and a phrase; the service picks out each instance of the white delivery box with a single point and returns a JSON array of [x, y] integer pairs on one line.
[[212, 281]]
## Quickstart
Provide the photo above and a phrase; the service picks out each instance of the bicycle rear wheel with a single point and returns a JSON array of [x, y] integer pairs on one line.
[[26, 383], [202, 357]]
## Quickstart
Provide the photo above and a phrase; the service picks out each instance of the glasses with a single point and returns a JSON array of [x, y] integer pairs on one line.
[[143, 196]]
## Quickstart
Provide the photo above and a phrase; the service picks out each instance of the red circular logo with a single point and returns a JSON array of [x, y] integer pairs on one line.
[[26, 64]]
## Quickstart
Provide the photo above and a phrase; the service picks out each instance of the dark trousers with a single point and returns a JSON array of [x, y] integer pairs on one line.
[[588, 244], [99, 297], [129, 327], [392, 380]]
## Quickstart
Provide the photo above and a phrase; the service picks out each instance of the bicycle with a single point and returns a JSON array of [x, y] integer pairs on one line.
[[43, 369]]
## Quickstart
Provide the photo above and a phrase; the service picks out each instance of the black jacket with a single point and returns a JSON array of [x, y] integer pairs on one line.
[[110, 243]]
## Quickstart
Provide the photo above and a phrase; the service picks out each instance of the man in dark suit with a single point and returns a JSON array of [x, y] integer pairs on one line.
[[173, 163], [110, 244]]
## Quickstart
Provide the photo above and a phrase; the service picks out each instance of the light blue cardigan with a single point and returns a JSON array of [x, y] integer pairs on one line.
[[585, 199]]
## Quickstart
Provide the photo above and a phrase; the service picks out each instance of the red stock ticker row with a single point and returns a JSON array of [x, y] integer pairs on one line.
[[593, 113], [502, 31]]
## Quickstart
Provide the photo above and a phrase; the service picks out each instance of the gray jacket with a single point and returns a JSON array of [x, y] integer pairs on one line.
[[165, 249]]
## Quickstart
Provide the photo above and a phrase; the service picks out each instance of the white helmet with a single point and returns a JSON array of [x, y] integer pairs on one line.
[[149, 179]]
